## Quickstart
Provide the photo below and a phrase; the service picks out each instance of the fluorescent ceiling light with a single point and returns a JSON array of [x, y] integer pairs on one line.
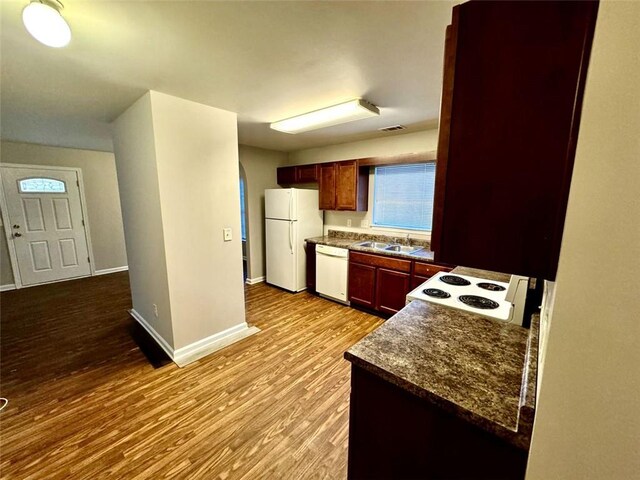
[[45, 23], [344, 112]]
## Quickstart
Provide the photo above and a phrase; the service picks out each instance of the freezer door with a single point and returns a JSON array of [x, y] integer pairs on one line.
[[281, 204], [281, 253]]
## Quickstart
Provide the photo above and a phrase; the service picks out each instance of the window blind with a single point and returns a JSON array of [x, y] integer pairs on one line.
[[403, 196]]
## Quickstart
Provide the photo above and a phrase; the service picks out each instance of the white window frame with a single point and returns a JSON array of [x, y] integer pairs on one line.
[[372, 186]]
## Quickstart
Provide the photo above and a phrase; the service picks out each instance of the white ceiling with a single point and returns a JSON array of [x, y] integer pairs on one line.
[[264, 60]]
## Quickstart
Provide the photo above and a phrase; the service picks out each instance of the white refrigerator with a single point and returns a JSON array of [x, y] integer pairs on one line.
[[291, 216]]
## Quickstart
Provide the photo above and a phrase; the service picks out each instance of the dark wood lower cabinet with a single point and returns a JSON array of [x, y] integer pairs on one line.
[[311, 267], [381, 282], [417, 280], [394, 434], [391, 290], [362, 285]]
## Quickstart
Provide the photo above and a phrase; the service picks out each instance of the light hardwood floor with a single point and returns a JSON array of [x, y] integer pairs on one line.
[[85, 403]]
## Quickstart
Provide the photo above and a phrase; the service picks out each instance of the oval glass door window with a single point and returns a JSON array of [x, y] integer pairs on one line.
[[42, 185]]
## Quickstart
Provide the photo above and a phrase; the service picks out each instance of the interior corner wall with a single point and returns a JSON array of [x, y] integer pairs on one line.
[[260, 169], [134, 147], [415, 142], [196, 148], [587, 424], [101, 193]]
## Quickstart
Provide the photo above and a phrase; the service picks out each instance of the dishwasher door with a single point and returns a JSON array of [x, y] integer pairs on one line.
[[332, 264]]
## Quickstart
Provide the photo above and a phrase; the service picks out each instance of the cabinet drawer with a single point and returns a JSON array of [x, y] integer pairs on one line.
[[380, 261], [428, 269]]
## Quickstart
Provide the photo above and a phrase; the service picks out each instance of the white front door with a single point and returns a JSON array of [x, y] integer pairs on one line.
[[46, 224]]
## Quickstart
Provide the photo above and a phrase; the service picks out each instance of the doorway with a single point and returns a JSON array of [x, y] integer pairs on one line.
[[244, 221], [45, 223]]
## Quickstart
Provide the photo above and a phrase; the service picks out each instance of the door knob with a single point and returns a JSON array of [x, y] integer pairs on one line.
[[17, 234]]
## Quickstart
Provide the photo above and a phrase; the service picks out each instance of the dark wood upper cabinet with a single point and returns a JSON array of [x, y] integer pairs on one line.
[[307, 173], [286, 175], [343, 186], [512, 96], [297, 174], [327, 186]]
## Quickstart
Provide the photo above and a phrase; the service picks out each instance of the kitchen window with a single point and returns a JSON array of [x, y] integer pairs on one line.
[[403, 196]]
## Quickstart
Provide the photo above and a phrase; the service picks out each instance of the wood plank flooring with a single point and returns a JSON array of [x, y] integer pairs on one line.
[[85, 403]]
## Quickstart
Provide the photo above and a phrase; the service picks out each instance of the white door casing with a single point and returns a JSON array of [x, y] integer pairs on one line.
[[45, 224]]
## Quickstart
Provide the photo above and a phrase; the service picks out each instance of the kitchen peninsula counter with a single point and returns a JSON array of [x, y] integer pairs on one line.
[[476, 372]]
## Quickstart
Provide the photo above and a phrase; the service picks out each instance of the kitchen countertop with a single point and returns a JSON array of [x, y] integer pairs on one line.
[[350, 241], [479, 369]]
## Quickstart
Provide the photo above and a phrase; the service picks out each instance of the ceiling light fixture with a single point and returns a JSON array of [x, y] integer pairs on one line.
[[44, 22], [356, 109]]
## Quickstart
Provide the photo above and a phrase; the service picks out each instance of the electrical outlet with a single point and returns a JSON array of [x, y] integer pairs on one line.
[[155, 310], [348, 222], [364, 224], [226, 234]]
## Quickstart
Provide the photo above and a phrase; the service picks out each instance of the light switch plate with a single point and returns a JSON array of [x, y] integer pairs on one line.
[[226, 234]]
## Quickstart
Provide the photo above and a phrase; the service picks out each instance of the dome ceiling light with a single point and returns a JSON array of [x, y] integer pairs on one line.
[[45, 23]]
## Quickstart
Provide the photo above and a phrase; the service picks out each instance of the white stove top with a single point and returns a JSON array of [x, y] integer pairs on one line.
[[502, 312]]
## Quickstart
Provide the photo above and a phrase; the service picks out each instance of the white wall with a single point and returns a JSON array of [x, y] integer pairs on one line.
[[134, 146], [198, 174], [416, 142], [101, 192], [260, 169], [587, 423]]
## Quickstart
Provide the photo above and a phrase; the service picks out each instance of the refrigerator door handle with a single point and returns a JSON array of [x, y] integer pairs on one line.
[[291, 236], [291, 206]]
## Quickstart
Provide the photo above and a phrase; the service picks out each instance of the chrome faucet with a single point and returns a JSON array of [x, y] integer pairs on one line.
[[408, 239]]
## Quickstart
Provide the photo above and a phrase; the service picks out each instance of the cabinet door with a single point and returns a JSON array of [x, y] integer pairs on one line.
[[306, 173], [362, 283], [417, 280], [327, 186], [286, 175], [347, 185], [311, 267], [505, 156], [391, 290]]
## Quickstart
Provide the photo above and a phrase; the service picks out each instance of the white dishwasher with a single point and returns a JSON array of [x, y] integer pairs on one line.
[[332, 264]]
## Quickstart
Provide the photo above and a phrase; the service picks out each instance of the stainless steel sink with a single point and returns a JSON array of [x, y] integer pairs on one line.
[[378, 245], [402, 249]]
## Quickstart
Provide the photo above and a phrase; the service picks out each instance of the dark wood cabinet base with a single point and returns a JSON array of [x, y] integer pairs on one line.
[[396, 435]]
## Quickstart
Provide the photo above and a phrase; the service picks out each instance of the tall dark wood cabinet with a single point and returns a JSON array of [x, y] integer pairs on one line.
[[512, 97]]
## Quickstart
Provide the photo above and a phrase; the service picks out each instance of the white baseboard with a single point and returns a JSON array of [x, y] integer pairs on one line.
[[197, 350], [168, 349], [7, 287], [253, 281], [106, 271]]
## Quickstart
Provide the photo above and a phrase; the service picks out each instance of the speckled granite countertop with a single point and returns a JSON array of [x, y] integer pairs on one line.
[[350, 239], [479, 369]]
